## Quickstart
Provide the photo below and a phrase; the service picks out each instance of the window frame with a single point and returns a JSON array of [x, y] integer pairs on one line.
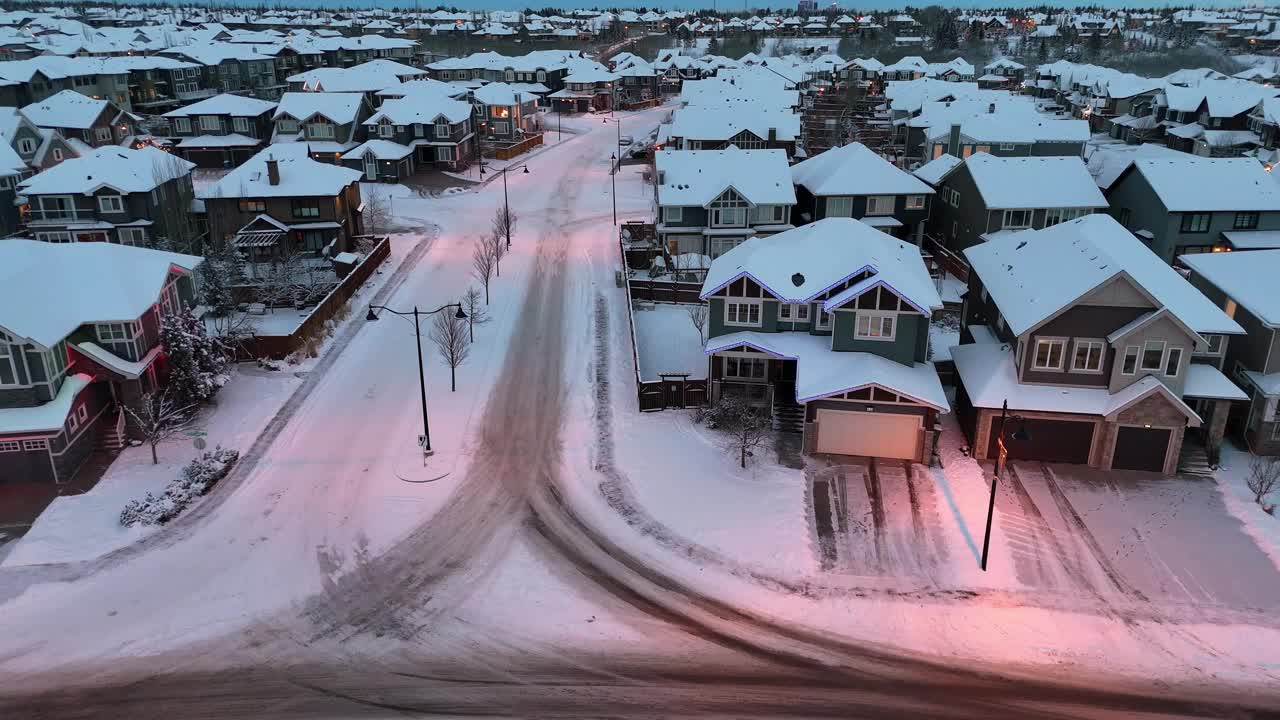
[[26, 142], [1142, 359], [182, 125], [672, 213], [1005, 223], [1169, 354], [875, 320], [878, 201], [1061, 344], [738, 361], [914, 202], [301, 208], [1250, 221], [1088, 344], [117, 200], [1188, 223], [1134, 353], [210, 123], [839, 199], [241, 125], [733, 312], [793, 312]]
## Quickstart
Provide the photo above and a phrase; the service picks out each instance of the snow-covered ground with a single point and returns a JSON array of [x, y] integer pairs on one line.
[[667, 341], [1232, 476]]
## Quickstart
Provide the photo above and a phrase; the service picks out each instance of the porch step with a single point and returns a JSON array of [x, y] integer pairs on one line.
[[788, 418], [1194, 460], [111, 434]]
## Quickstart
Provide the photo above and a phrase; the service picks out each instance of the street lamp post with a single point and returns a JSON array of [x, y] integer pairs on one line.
[[506, 206], [614, 159], [422, 380], [1020, 434]]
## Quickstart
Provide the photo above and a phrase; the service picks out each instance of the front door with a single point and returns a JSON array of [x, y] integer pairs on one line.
[[370, 167]]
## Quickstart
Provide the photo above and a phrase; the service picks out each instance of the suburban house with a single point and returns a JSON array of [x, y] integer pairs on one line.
[[39, 148], [84, 119], [221, 132], [506, 114], [1184, 205], [1092, 341], [280, 203], [711, 128], [710, 201], [826, 328], [852, 181], [1003, 136], [435, 128], [113, 194], [1243, 284], [329, 123], [984, 196], [587, 90], [638, 83], [79, 340]]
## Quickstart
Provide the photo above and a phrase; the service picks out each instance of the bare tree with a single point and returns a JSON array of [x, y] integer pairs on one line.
[[159, 418], [377, 212], [232, 332], [476, 312], [500, 250], [449, 333], [698, 316], [744, 427], [483, 263], [1264, 477], [504, 223]]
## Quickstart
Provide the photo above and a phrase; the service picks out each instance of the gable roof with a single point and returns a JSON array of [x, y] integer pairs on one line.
[[824, 254], [696, 177], [933, 171], [339, 108], [125, 169], [855, 170], [66, 109], [1249, 278], [1219, 184], [47, 290], [1034, 182], [225, 104], [1034, 274], [300, 176]]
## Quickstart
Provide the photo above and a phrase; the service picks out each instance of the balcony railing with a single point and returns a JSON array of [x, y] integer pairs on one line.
[[56, 216]]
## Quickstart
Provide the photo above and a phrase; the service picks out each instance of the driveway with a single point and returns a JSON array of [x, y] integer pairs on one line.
[[1167, 540]]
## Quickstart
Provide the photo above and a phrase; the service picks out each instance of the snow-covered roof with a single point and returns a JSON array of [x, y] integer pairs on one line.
[[1107, 162], [1190, 184], [801, 264], [225, 104], [421, 108], [381, 149], [822, 372], [696, 177], [219, 141], [47, 417], [124, 169], [1249, 278], [1206, 381], [933, 171], [1034, 182], [501, 94], [300, 176], [705, 123], [47, 290], [855, 170], [1034, 274], [130, 369], [66, 109], [338, 108]]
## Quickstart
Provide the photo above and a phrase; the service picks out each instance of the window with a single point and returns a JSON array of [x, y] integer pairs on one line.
[[1195, 222], [1053, 216], [983, 149], [1153, 355], [442, 129], [542, 76], [308, 208], [839, 207], [57, 154], [103, 134], [386, 131], [210, 123], [744, 368], [729, 210], [35, 444], [1049, 353], [824, 319], [1245, 221], [182, 125], [510, 75], [253, 206], [1215, 344], [8, 361], [1173, 361], [915, 202], [73, 423], [444, 153], [323, 131], [874, 326], [26, 146], [170, 300], [880, 205], [768, 214], [501, 127], [132, 235], [737, 312], [794, 312], [240, 125], [672, 214], [54, 237], [722, 245], [1007, 146], [287, 125], [1014, 219], [110, 203], [118, 332], [1087, 356], [1130, 364], [10, 446]]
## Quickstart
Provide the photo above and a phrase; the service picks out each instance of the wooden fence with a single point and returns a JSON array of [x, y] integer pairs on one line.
[[509, 151], [638, 104], [669, 291], [949, 261], [278, 347]]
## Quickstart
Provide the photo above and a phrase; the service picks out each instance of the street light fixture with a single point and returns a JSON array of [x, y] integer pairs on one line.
[[613, 178], [417, 333], [1021, 435]]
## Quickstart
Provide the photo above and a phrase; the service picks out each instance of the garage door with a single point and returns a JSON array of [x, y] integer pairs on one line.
[[873, 434], [1141, 448], [1065, 441]]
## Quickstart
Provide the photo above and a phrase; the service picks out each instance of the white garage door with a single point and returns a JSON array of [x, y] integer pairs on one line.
[[874, 434]]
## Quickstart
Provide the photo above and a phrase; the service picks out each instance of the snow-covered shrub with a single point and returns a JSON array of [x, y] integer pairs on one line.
[[196, 479]]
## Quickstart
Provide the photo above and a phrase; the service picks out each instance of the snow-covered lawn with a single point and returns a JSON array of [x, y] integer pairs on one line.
[[667, 341], [82, 527], [944, 334], [1262, 527]]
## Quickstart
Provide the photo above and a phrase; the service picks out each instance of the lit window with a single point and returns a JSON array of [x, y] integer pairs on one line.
[[915, 202]]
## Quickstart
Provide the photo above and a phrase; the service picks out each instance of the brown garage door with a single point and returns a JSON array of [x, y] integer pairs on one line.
[[1141, 449], [1065, 441]]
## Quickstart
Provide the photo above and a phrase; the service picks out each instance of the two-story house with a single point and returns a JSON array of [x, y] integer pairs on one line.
[[79, 118], [221, 132], [1243, 284], [79, 339], [710, 201], [1089, 338], [852, 181], [706, 127], [826, 328], [984, 196], [637, 83], [1183, 205], [590, 90], [435, 127], [1006, 136], [113, 194], [505, 114], [281, 202], [40, 148], [329, 123]]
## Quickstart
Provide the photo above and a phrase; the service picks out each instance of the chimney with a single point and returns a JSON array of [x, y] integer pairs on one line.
[[991, 109], [773, 134], [273, 171], [953, 141]]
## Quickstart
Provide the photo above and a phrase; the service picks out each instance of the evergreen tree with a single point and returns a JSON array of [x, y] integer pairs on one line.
[[1043, 53], [1095, 45], [196, 363], [221, 271]]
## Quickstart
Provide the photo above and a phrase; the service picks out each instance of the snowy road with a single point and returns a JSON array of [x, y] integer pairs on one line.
[[323, 586]]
